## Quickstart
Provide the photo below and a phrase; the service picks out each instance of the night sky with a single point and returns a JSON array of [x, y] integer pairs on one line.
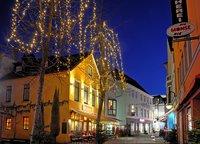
[[141, 25]]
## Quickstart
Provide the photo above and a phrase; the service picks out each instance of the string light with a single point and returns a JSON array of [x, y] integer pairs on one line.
[[73, 28]]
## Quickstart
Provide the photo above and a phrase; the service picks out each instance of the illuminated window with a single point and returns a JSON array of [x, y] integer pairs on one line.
[[77, 91], [8, 123], [8, 93], [89, 71], [112, 107], [93, 97], [132, 110], [26, 92], [86, 95], [26, 123], [189, 119]]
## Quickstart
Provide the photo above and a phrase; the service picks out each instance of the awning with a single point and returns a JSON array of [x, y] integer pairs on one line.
[[110, 119], [94, 116], [88, 115]]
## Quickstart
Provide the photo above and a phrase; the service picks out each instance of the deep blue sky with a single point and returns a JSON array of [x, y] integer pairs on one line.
[[141, 25]]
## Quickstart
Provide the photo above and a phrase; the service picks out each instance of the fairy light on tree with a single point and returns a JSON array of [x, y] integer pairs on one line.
[[64, 27]]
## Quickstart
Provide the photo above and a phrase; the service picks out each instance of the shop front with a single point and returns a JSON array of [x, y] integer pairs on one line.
[[188, 111], [81, 122], [139, 125]]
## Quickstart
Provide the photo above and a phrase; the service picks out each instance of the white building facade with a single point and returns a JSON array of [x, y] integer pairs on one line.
[[133, 107], [159, 107]]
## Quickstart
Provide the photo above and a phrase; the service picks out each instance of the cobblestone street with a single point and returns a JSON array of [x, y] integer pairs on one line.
[[142, 139]]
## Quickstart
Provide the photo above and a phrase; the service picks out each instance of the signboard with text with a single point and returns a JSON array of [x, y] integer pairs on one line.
[[180, 29], [179, 11]]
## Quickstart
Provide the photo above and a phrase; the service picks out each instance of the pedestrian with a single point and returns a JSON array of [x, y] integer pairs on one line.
[[117, 133]]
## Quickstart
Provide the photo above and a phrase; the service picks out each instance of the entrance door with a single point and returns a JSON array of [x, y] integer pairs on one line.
[[132, 128]]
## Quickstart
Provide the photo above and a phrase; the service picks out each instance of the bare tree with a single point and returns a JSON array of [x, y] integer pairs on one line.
[[57, 27]]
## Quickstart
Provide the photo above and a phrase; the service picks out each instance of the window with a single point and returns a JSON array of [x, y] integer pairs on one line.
[[76, 91], [8, 123], [185, 56], [26, 122], [145, 113], [86, 95], [132, 94], [169, 95], [93, 97], [89, 71], [112, 107], [182, 68], [8, 93], [190, 51], [189, 119], [136, 111], [132, 110], [141, 112], [26, 92]]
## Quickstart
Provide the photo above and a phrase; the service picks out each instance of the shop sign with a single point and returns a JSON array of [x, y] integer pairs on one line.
[[179, 11], [180, 29], [142, 120], [87, 108]]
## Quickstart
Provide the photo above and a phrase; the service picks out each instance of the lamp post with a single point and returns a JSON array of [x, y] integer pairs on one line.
[[169, 106]]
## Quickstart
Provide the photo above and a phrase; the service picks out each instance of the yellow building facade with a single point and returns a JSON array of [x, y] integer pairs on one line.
[[78, 100], [186, 62]]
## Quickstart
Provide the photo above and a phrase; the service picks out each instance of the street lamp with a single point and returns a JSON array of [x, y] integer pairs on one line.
[[169, 106]]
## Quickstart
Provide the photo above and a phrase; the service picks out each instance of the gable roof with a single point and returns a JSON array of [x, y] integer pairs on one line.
[[31, 66], [134, 83], [130, 81]]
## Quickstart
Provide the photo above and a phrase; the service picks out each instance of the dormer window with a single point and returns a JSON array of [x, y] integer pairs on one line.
[[8, 93], [18, 69], [26, 92]]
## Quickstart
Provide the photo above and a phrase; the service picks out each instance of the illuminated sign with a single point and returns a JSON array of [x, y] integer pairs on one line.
[[142, 120], [180, 29], [87, 108]]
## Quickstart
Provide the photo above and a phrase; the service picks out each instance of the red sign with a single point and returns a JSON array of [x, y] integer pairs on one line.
[[180, 29]]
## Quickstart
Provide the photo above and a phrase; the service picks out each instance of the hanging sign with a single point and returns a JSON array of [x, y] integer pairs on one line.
[[179, 11], [180, 29]]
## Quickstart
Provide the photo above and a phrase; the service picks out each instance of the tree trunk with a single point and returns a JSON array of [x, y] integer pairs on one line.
[[101, 101], [103, 80], [37, 112]]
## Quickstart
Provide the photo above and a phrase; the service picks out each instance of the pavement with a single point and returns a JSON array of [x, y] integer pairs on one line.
[[141, 139]]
